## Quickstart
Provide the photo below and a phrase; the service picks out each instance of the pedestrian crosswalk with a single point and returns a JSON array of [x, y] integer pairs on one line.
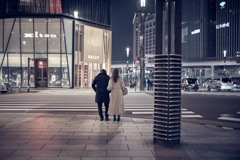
[[184, 111], [235, 118], [135, 109]]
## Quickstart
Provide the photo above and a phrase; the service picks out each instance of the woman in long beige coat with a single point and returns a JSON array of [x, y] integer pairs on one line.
[[116, 86]]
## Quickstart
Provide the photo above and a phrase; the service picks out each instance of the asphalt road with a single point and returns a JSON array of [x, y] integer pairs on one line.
[[211, 107]]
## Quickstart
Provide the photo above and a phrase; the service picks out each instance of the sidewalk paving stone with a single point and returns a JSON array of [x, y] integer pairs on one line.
[[15, 158], [129, 154], [89, 139], [6, 152], [105, 158], [110, 147], [56, 158], [21, 146], [77, 137], [35, 153], [64, 147], [82, 154]]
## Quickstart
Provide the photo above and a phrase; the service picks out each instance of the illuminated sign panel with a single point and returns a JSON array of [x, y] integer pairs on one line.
[[143, 3], [195, 31], [222, 25], [222, 4], [40, 35], [93, 57]]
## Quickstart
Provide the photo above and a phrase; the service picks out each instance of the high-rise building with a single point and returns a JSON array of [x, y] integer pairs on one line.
[[227, 27], [198, 29], [148, 38]]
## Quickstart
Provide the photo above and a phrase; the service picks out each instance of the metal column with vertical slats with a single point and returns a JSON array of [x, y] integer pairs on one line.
[[167, 74]]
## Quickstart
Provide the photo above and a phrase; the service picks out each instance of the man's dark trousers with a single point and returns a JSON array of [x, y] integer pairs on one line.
[[100, 110]]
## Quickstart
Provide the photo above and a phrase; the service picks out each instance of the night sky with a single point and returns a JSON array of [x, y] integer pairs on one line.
[[122, 28]]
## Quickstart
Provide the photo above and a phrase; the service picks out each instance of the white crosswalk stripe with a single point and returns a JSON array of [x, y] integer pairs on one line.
[[184, 111], [231, 118], [137, 109]]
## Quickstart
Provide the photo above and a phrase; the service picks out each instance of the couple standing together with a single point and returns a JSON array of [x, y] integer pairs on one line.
[[103, 85]]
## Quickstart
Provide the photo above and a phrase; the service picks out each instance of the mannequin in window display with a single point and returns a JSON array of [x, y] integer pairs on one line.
[[18, 78], [31, 81], [53, 79], [6, 78]]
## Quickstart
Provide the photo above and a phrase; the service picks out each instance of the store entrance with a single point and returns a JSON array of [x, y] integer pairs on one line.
[[41, 76]]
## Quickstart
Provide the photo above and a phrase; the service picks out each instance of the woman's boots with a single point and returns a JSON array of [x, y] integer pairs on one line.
[[114, 118]]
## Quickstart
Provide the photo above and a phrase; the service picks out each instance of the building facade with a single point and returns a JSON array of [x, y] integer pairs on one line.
[[198, 29], [208, 28], [227, 27], [68, 41], [226, 38]]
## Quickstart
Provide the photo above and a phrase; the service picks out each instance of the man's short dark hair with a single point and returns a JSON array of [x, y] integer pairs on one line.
[[103, 71]]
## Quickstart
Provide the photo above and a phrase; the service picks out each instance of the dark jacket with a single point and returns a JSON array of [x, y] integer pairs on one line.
[[102, 94]]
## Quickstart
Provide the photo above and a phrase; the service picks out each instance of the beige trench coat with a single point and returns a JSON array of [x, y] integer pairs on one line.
[[116, 106]]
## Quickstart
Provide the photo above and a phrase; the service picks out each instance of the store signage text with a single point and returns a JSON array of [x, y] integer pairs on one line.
[[93, 57], [40, 35], [195, 31], [222, 25]]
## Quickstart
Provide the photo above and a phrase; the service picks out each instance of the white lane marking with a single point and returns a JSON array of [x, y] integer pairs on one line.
[[142, 112], [184, 109], [68, 109], [187, 112], [40, 103], [138, 109], [229, 119], [191, 116]]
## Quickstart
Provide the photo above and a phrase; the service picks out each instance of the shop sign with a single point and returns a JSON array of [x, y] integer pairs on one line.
[[195, 31], [222, 25], [40, 35], [93, 57]]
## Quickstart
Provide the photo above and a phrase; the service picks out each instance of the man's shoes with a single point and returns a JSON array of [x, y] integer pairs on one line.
[[107, 119], [114, 118], [101, 119]]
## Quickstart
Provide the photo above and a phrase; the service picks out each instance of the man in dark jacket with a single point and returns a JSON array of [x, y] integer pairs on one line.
[[99, 85]]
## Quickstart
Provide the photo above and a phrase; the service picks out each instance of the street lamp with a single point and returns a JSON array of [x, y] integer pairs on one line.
[[224, 54], [127, 62]]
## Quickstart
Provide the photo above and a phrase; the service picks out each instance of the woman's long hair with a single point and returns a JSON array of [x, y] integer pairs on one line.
[[115, 75]]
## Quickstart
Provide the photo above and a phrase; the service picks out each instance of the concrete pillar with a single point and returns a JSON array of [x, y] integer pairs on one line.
[[167, 72]]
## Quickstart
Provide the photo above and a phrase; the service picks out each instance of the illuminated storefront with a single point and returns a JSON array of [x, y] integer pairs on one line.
[[50, 36]]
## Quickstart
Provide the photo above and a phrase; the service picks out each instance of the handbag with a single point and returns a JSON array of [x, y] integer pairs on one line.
[[125, 91]]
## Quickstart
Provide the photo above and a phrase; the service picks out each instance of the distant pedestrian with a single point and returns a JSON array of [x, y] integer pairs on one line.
[[116, 86], [144, 83], [102, 94], [149, 84]]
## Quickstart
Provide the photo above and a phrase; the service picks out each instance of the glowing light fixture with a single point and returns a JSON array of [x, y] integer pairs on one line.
[[75, 14], [143, 2], [127, 52], [224, 53], [222, 4]]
